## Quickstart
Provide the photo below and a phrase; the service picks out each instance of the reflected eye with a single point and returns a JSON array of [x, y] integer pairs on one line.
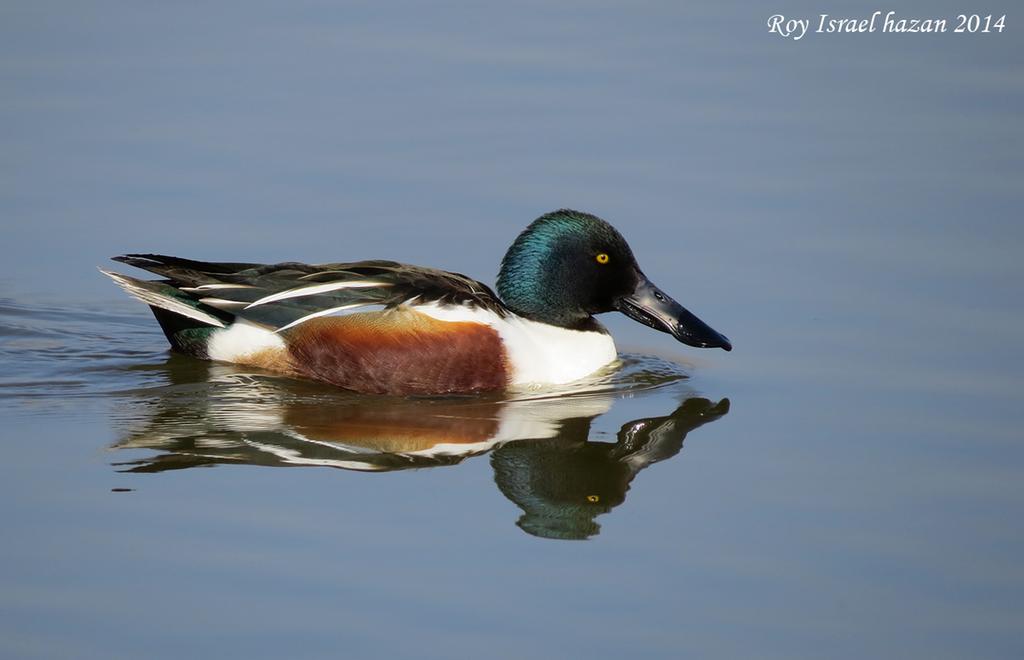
[[602, 258]]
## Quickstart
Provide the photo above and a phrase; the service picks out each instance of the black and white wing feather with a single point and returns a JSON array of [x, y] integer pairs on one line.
[[283, 295]]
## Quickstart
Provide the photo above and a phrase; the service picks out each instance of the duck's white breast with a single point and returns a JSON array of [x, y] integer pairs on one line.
[[538, 353]]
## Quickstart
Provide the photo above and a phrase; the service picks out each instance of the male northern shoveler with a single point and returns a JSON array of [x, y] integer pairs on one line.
[[383, 327]]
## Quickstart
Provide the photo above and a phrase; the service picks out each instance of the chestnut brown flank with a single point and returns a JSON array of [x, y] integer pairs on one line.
[[399, 352]]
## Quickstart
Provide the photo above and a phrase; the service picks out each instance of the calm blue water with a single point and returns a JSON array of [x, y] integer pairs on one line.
[[847, 483]]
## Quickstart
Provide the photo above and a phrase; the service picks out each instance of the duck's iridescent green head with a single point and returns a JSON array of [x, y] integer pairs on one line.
[[567, 266]]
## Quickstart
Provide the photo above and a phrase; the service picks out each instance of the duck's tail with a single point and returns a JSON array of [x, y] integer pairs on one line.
[[186, 322]]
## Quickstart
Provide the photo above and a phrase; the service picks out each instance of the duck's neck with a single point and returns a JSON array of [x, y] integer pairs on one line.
[[544, 308], [544, 303]]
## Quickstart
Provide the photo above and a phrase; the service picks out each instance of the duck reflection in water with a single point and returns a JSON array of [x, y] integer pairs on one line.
[[541, 451], [563, 483]]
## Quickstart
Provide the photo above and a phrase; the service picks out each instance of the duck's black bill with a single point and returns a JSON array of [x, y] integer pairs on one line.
[[651, 306]]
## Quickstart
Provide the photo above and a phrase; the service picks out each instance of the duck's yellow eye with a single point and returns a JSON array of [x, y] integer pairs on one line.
[[602, 258], [594, 498]]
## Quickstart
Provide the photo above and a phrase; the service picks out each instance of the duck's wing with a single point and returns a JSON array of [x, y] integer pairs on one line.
[[286, 294]]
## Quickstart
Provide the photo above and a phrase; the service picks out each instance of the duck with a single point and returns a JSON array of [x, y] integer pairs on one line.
[[388, 328]]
